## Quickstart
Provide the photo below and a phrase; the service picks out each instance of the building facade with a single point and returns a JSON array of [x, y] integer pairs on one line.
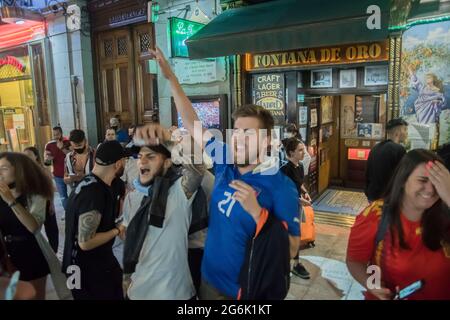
[[51, 40]]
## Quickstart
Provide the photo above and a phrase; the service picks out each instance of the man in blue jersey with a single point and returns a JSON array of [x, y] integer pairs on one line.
[[243, 187]]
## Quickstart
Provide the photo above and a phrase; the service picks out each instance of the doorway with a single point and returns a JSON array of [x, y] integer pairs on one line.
[[322, 137], [125, 88], [362, 125], [16, 115]]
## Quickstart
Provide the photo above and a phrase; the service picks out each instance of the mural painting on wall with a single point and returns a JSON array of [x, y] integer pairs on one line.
[[425, 82]]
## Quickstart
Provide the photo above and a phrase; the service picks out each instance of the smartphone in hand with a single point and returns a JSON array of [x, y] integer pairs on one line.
[[409, 290]]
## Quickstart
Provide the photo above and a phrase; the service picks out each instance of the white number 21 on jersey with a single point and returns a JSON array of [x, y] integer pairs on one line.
[[227, 201]]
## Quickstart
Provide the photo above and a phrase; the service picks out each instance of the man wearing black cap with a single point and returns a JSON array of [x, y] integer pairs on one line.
[[91, 229], [159, 214], [384, 158]]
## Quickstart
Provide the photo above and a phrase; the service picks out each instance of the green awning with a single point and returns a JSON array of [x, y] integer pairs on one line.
[[287, 25]]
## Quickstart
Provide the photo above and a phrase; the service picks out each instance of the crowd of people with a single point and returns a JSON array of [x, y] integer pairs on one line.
[[229, 230]]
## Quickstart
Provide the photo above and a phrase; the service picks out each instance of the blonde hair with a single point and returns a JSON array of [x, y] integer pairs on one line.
[[436, 81]]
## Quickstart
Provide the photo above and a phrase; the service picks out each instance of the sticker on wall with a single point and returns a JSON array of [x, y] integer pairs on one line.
[[377, 130], [351, 142]]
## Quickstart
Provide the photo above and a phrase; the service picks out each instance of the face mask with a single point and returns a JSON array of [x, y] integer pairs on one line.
[[81, 150]]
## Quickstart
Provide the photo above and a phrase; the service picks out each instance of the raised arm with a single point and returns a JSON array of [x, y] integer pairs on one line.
[[182, 103]]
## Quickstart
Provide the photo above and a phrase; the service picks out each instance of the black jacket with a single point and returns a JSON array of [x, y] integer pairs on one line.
[[265, 273]]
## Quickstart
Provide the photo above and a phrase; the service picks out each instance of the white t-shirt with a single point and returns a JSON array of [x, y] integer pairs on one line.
[[162, 272]]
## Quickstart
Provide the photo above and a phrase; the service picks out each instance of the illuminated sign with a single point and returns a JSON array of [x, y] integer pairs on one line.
[[180, 31], [12, 61], [364, 52], [358, 154]]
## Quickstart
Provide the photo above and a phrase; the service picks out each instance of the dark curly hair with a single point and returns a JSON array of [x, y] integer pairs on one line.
[[30, 178]]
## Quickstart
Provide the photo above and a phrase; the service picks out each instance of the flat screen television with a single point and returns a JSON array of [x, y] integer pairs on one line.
[[211, 110]]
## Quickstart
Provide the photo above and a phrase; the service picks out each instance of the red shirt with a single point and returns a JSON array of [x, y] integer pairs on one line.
[[401, 267], [58, 156]]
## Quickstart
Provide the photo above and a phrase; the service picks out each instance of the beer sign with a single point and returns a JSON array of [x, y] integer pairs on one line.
[[269, 92]]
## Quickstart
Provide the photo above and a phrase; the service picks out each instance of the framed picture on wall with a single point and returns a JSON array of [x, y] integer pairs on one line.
[[366, 109], [364, 130], [302, 115], [322, 78], [347, 78], [375, 75]]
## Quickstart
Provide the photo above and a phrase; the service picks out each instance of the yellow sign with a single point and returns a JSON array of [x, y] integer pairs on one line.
[[357, 53]]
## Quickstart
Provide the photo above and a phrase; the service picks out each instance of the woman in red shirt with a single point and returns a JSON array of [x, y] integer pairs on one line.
[[416, 244]]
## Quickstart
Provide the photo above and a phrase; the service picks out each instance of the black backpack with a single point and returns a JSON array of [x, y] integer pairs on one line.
[[265, 273]]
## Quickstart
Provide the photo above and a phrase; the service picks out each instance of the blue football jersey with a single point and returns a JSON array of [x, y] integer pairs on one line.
[[231, 227]]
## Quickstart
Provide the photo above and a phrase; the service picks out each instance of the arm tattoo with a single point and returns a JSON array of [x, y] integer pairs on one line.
[[87, 225], [192, 178]]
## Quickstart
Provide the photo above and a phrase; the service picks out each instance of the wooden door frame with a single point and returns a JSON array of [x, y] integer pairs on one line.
[[141, 112], [102, 112]]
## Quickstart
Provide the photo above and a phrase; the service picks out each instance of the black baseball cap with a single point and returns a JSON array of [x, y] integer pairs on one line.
[[109, 152], [155, 148], [395, 123]]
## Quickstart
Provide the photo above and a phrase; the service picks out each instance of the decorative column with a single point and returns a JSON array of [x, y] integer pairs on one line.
[[238, 83], [395, 45]]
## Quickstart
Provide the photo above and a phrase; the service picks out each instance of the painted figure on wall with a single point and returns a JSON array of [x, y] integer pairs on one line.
[[431, 100], [425, 82]]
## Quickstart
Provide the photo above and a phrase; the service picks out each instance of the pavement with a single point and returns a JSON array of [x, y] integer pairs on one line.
[[330, 279]]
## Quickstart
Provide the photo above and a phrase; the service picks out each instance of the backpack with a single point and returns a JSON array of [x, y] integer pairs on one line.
[[265, 273]]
